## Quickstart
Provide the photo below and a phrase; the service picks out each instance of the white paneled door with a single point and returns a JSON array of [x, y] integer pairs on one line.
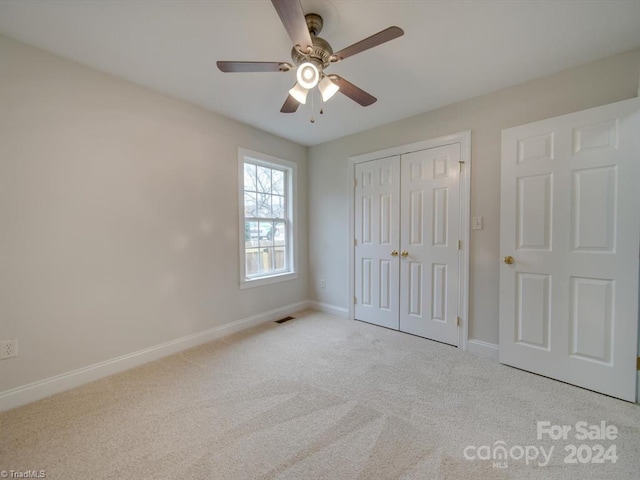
[[429, 265], [377, 216], [569, 236], [407, 222]]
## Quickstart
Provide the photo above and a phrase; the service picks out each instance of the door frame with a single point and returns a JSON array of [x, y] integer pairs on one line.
[[464, 139]]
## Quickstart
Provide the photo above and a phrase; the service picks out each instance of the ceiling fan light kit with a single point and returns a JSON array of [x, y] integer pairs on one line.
[[299, 93], [311, 55], [327, 88], [307, 75]]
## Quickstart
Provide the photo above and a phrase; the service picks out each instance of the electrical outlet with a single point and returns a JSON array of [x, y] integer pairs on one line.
[[8, 348], [323, 284]]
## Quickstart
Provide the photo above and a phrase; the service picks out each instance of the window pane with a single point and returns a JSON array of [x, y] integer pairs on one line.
[[264, 179], [277, 176], [250, 177], [279, 234], [264, 206], [251, 234], [250, 204], [266, 260], [279, 258], [266, 233], [278, 207], [252, 263]]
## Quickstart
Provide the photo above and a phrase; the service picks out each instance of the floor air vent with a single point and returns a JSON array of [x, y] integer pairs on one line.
[[285, 319]]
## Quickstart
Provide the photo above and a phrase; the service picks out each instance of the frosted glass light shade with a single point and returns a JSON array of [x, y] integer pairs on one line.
[[327, 88], [308, 75], [299, 93]]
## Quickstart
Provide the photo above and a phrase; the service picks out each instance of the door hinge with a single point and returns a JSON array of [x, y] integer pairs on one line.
[[458, 321], [355, 182], [459, 244], [355, 300], [638, 364], [460, 165]]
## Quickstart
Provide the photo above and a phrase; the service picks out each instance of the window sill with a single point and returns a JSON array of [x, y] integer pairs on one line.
[[260, 281]]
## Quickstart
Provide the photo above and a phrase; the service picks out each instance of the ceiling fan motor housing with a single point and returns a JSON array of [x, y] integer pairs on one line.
[[321, 51]]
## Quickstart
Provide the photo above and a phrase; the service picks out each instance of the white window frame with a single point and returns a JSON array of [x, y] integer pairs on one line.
[[269, 161]]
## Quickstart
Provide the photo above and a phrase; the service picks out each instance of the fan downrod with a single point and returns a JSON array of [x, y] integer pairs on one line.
[[314, 23]]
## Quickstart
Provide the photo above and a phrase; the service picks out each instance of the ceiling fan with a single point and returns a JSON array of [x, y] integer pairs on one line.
[[311, 55]]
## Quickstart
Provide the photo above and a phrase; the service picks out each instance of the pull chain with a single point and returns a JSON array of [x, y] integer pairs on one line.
[[312, 119]]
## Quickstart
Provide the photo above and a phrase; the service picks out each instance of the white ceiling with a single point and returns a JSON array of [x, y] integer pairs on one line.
[[451, 50]]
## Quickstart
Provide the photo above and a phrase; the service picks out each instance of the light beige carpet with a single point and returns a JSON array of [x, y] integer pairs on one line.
[[315, 398]]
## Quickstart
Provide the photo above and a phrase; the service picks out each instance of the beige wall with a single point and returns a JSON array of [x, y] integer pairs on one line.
[[118, 217], [598, 83]]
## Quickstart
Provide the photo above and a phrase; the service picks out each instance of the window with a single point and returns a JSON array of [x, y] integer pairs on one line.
[[266, 218]]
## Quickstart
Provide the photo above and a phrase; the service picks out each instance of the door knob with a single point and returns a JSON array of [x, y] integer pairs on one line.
[[394, 253], [508, 260], [405, 253]]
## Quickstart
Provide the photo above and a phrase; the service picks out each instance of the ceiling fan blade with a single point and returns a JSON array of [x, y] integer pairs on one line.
[[292, 17], [354, 93], [290, 105], [235, 67], [370, 42]]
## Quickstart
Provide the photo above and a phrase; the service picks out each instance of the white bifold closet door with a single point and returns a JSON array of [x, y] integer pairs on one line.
[[377, 238], [407, 222]]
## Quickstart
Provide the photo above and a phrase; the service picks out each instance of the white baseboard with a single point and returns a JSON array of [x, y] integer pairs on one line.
[[485, 349], [330, 309], [43, 388]]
